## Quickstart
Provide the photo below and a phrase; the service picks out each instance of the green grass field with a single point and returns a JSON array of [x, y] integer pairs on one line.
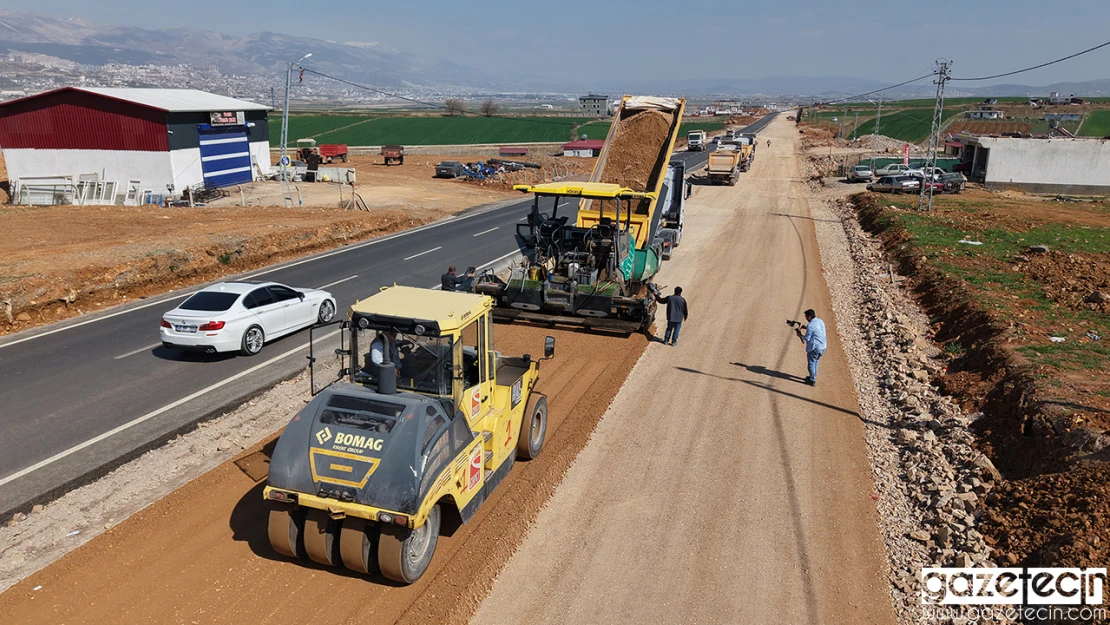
[[910, 125], [304, 126], [366, 130], [1097, 124], [594, 130]]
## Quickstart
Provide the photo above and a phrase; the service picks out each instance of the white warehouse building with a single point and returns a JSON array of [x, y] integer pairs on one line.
[[1057, 165], [129, 146]]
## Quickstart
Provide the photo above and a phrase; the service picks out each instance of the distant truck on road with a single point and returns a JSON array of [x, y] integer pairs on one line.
[[695, 140]]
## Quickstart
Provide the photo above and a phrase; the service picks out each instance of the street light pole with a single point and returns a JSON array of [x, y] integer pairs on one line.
[[285, 114]]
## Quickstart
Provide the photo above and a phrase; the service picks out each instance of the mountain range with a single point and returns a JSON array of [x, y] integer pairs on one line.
[[266, 53]]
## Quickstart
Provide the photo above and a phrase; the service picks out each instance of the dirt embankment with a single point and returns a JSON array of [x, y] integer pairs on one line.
[[201, 554], [58, 262], [69, 260], [1052, 510]]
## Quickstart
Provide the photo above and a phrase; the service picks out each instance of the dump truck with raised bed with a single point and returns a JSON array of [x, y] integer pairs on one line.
[[595, 271], [424, 423], [723, 166]]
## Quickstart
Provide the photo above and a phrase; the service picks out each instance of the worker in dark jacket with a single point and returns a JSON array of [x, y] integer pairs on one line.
[[450, 282], [677, 311]]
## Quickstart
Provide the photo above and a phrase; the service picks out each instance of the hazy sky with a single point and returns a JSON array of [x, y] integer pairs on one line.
[[649, 39]]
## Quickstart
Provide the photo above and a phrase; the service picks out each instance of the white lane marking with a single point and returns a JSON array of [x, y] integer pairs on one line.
[[336, 282], [154, 413], [88, 321], [357, 246], [423, 253], [138, 351], [485, 231]]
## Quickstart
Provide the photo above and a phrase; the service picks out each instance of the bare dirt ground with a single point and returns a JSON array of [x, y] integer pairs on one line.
[[201, 554], [719, 488], [57, 262]]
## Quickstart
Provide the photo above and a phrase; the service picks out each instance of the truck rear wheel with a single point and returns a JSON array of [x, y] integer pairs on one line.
[[286, 531], [404, 554], [533, 428]]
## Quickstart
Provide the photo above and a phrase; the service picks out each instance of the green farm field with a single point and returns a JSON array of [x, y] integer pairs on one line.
[[426, 130], [1097, 124]]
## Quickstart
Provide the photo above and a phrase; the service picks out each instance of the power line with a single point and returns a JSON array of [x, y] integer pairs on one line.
[[864, 95], [1029, 69], [368, 88]]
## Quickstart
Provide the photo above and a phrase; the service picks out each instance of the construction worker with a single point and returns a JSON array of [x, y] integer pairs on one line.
[[812, 336], [450, 282], [677, 311]]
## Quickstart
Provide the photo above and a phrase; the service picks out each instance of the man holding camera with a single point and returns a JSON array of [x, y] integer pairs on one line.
[[813, 337]]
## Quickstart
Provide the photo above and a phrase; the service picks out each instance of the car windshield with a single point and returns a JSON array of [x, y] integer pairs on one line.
[[210, 301], [862, 168]]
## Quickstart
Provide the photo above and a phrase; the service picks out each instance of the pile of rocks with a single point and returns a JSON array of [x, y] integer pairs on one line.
[[882, 143], [930, 482]]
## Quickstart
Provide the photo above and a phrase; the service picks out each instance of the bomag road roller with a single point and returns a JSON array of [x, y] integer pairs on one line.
[[425, 421]]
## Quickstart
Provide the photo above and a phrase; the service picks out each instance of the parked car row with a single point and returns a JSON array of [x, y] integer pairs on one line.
[[907, 178], [904, 184]]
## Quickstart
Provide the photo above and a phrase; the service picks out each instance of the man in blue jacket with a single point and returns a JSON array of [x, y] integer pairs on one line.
[[813, 337]]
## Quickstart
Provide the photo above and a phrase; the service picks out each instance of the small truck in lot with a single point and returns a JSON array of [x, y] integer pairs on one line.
[[307, 151], [393, 154]]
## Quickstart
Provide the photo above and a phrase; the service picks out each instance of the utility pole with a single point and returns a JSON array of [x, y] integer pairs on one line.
[[285, 161], [855, 126], [925, 200], [879, 117]]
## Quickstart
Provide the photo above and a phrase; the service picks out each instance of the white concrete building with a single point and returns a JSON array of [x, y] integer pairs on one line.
[[1057, 165]]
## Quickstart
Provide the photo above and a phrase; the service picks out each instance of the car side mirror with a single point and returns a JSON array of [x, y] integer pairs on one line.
[[300, 295], [549, 347]]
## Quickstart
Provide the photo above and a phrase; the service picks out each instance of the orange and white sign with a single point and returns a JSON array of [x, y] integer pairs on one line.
[[475, 468], [475, 401]]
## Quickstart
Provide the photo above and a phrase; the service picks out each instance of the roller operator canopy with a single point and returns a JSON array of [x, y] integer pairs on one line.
[[599, 190], [405, 307]]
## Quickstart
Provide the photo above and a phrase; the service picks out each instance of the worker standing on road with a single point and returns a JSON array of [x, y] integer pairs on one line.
[[450, 282], [813, 337], [677, 311]]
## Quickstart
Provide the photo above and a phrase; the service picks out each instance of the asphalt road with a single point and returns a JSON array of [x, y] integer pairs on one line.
[[81, 396]]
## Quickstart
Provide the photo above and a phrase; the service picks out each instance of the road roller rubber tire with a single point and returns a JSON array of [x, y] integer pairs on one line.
[[358, 545], [404, 554], [321, 538], [285, 528], [533, 428]]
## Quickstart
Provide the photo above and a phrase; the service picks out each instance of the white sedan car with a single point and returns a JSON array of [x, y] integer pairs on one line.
[[242, 316]]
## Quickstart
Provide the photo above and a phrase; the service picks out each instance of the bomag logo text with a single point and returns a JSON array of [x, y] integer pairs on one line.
[[361, 442]]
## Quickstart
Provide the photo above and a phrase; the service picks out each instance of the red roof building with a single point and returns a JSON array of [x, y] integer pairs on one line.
[[105, 146], [584, 147]]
